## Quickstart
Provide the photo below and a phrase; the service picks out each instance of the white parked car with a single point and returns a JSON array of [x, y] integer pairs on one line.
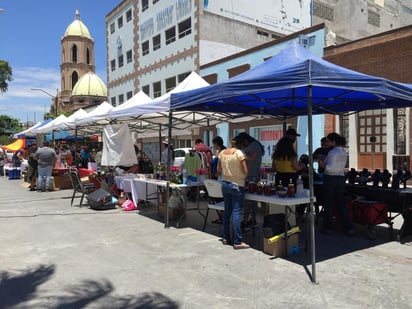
[[180, 154]]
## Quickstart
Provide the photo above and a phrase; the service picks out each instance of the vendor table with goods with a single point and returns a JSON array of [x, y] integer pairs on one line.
[[143, 188], [284, 203]]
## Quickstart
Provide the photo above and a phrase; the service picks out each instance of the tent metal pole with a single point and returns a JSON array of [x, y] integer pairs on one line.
[[311, 189]]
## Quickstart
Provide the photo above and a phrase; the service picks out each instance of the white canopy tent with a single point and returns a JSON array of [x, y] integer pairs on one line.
[[55, 124]]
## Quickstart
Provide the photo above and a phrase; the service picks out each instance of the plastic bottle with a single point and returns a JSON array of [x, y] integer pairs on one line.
[[185, 176], [299, 186]]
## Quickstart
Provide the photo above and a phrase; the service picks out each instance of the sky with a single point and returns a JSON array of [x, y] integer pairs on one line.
[[30, 41]]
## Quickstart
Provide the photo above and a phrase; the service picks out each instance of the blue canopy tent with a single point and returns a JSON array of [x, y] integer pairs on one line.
[[27, 132], [293, 83]]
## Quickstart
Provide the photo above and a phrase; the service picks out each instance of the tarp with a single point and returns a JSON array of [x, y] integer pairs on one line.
[[16, 145], [118, 148], [280, 87]]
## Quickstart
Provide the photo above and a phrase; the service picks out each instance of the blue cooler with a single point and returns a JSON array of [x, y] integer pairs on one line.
[[14, 173]]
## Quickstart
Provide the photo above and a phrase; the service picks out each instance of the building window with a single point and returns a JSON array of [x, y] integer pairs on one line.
[[211, 78], [170, 35], [112, 28], [121, 99], [88, 56], [113, 65], [129, 15], [74, 53], [145, 48], [129, 95], [156, 42], [185, 28], [170, 83], [157, 89], [129, 56], [155, 1], [181, 77], [372, 131], [238, 70], [374, 19], [75, 78], [120, 22], [120, 59], [146, 89], [323, 11], [113, 101], [145, 5]]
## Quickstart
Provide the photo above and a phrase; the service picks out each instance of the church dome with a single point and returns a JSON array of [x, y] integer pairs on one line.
[[77, 28], [90, 85]]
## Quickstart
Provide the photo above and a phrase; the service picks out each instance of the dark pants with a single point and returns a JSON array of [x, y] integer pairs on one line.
[[334, 196]]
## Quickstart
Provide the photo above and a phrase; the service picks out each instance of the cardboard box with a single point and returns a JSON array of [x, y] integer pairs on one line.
[[63, 182], [174, 213], [277, 247], [52, 184]]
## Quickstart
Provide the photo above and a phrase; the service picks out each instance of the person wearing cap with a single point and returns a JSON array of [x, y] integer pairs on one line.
[[253, 151], [46, 158], [291, 134]]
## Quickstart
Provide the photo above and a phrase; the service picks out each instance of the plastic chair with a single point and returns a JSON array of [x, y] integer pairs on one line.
[[214, 191], [79, 187]]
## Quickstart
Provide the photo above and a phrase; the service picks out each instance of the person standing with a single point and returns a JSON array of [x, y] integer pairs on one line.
[[32, 168], [2, 161], [218, 146], [46, 158], [319, 156], [334, 184], [233, 168], [253, 151], [285, 162]]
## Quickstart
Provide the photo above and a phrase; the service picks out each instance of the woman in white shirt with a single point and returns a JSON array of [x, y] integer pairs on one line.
[[334, 184]]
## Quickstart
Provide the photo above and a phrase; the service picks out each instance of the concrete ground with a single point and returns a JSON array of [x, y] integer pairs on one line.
[[56, 256]]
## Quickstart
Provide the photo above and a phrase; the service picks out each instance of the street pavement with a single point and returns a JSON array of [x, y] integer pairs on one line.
[[53, 255]]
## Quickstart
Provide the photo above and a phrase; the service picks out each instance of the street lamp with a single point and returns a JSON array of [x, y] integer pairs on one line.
[[55, 103]]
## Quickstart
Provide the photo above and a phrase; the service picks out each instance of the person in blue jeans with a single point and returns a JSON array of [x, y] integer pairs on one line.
[[233, 168], [46, 158]]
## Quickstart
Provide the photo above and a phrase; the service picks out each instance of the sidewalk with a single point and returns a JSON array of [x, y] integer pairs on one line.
[[56, 256]]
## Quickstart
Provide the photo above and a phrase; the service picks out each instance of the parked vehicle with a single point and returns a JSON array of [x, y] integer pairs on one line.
[[180, 154]]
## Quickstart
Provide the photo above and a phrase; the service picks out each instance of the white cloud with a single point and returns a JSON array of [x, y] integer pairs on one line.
[[20, 102]]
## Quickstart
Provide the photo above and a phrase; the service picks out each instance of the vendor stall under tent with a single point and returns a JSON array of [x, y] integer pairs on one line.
[[295, 83]]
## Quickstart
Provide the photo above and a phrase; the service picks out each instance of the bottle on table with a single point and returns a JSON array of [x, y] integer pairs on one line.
[[291, 188], [299, 186], [184, 176]]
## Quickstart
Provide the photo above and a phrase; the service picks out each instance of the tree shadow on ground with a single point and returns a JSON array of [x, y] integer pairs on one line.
[[21, 290]]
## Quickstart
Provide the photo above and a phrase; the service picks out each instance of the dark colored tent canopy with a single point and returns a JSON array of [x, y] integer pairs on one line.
[[294, 83], [279, 87]]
